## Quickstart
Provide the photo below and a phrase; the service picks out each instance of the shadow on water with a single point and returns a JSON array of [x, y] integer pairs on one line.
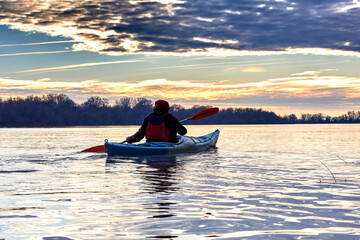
[[158, 172], [160, 179]]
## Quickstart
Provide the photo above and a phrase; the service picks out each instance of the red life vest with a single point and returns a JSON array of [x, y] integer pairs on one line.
[[158, 132]]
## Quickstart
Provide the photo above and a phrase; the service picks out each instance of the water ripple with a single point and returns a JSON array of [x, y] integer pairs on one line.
[[263, 182]]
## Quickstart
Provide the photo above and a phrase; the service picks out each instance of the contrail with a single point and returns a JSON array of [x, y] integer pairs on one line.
[[31, 53], [74, 66], [39, 43]]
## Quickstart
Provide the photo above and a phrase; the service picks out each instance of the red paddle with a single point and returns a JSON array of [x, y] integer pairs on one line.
[[205, 113], [100, 148]]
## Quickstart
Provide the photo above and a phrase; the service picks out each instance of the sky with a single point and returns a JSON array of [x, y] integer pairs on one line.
[[299, 56]]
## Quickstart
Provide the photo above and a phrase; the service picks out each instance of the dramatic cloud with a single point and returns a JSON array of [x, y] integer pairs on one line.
[[221, 27], [307, 90]]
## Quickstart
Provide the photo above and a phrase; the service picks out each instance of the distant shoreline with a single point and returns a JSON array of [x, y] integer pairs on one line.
[[58, 110], [131, 125]]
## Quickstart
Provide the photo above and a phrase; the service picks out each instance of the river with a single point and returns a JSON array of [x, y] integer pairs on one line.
[[262, 182]]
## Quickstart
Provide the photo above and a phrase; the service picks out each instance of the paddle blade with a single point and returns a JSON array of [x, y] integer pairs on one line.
[[100, 148], [205, 113]]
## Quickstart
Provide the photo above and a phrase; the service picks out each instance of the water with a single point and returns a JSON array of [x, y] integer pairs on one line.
[[263, 182]]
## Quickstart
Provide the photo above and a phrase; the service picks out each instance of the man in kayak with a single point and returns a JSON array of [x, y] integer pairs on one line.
[[159, 126]]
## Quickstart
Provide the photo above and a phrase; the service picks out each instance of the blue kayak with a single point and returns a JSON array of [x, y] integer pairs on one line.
[[184, 145]]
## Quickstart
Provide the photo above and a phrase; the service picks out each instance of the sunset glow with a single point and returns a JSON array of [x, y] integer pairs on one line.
[[183, 52]]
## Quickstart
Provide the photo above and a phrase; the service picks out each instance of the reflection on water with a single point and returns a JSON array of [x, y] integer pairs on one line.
[[159, 177], [263, 182]]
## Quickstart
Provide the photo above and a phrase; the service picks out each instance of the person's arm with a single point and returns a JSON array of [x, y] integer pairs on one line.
[[140, 134], [180, 128], [177, 126]]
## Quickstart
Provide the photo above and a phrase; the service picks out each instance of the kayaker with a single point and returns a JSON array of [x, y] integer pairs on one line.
[[159, 126]]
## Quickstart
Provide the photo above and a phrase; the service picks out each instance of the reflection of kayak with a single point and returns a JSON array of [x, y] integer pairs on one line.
[[184, 145]]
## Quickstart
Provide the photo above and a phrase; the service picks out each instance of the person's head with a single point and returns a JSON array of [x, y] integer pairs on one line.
[[162, 105]]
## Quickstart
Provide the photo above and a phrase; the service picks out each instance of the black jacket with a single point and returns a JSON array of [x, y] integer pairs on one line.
[[171, 123]]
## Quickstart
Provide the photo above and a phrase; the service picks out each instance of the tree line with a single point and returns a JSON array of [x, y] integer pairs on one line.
[[59, 110]]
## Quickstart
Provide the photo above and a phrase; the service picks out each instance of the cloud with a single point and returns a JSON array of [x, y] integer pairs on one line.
[[307, 73], [297, 91], [312, 73], [347, 7], [212, 28], [253, 70]]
